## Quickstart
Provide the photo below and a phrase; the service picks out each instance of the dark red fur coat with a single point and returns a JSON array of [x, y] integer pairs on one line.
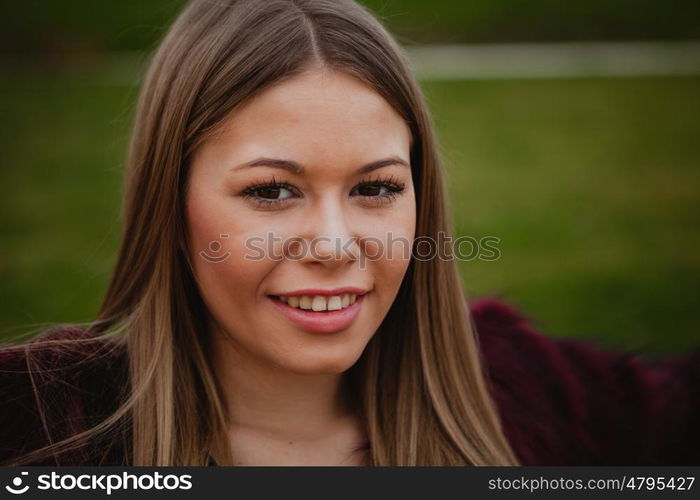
[[562, 402]]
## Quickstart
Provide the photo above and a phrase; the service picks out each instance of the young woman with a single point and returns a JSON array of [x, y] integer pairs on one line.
[[267, 307]]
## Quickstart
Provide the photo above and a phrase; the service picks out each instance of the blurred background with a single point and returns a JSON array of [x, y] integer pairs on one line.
[[569, 130]]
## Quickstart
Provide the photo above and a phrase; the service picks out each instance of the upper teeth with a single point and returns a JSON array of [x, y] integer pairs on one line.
[[320, 302]]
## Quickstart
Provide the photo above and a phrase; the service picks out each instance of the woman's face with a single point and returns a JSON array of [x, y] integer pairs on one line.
[[302, 203]]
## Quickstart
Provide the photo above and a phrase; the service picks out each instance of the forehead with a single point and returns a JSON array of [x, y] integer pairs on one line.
[[318, 113]]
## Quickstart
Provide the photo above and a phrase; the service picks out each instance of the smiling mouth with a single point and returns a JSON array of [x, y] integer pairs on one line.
[[318, 303]]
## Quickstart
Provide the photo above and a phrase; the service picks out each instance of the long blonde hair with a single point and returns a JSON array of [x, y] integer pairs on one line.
[[419, 384]]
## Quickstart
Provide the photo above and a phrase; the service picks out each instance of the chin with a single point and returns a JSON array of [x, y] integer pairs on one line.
[[322, 364]]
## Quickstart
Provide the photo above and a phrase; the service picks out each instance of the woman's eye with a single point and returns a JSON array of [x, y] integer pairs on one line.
[[269, 194], [274, 193], [372, 190], [379, 192]]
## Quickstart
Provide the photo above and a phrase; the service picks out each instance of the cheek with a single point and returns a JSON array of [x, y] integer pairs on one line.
[[387, 248], [218, 252], [389, 238]]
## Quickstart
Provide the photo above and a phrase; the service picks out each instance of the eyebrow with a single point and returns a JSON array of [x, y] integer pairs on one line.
[[296, 168]]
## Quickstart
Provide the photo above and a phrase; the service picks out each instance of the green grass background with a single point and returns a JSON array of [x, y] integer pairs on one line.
[[86, 25], [592, 186]]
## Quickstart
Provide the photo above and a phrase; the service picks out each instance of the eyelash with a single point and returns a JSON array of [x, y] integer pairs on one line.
[[393, 186]]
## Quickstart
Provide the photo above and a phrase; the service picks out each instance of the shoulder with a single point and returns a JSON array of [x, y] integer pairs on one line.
[[511, 346], [570, 402], [535, 392], [516, 352], [68, 350], [54, 385]]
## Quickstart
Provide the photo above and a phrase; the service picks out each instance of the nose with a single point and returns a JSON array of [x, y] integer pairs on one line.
[[327, 235]]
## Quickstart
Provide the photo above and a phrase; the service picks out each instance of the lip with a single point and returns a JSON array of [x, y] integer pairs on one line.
[[317, 321], [325, 292]]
